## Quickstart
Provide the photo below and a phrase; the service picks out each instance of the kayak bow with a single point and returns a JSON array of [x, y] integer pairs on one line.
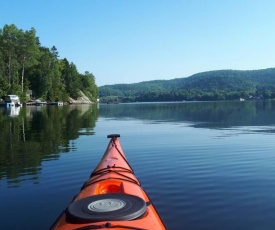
[[112, 198]]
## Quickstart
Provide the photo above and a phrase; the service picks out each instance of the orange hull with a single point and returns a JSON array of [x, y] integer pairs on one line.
[[112, 198]]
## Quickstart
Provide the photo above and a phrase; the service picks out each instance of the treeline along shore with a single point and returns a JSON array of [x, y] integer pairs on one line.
[[206, 86], [29, 69]]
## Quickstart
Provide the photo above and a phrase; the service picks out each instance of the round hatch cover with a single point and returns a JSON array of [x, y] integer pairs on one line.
[[106, 207]]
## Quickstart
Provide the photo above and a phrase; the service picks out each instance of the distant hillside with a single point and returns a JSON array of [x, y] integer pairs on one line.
[[211, 85]]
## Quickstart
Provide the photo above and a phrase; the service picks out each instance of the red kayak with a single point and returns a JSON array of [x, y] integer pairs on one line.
[[112, 198]]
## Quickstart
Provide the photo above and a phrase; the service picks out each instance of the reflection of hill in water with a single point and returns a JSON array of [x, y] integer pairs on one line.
[[198, 114], [38, 134]]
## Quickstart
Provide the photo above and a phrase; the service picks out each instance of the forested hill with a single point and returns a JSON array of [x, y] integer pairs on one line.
[[212, 85], [27, 67]]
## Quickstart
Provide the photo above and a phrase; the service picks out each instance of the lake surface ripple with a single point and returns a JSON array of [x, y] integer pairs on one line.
[[205, 165]]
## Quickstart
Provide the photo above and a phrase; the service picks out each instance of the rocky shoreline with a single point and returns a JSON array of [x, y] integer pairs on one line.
[[83, 99]]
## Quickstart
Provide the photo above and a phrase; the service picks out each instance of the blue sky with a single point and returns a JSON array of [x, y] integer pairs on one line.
[[128, 41]]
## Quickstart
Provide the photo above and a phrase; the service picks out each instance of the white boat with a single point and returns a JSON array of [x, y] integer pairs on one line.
[[10, 101]]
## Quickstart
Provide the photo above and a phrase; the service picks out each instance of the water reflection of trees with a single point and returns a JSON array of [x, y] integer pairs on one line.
[[198, 114], [38, 134]]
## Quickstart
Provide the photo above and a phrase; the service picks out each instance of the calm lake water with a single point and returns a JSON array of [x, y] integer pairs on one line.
[[205, 165]]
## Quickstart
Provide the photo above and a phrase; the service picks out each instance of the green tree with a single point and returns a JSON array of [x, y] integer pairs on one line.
[[71, 78], [38, 74], [28, 51], [57, 90], [88, 85], [3, 80], [8, 47]]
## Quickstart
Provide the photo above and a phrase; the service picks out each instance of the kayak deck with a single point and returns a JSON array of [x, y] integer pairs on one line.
[[112, 198]]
